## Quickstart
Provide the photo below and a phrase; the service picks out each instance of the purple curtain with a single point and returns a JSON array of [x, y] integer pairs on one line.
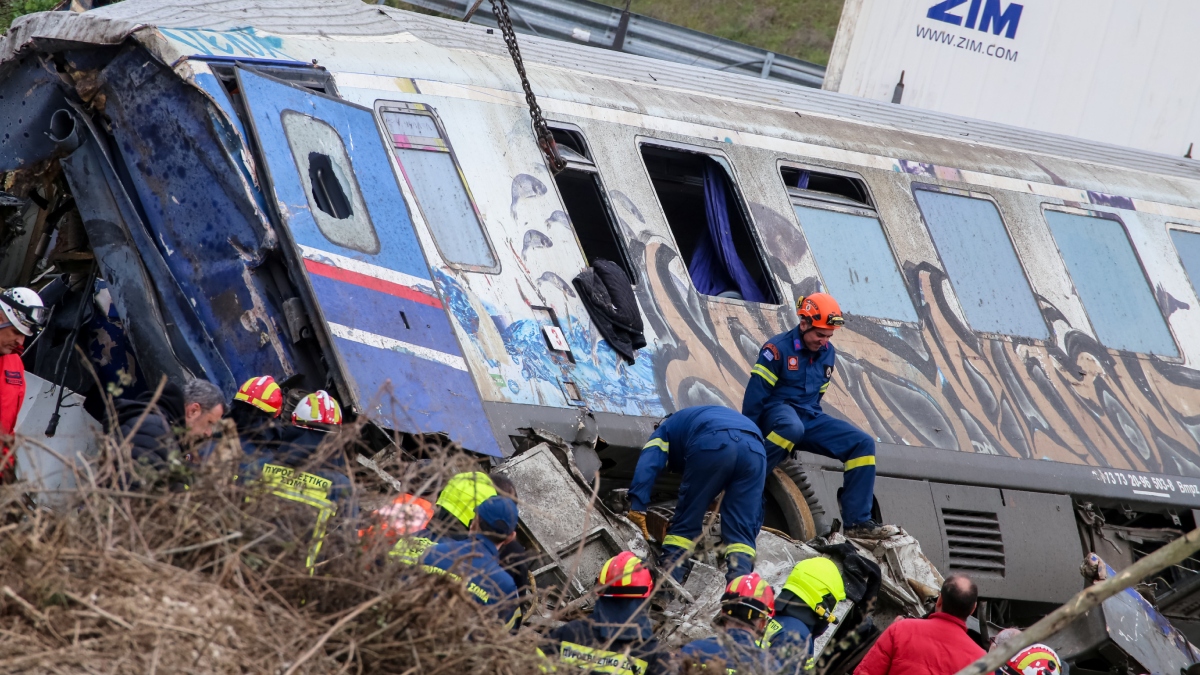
[[715, 266]]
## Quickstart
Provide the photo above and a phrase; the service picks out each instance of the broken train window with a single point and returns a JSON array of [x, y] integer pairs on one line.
[[584, 198], [333, 194], [432, 172], [856, 262], [710, 223]]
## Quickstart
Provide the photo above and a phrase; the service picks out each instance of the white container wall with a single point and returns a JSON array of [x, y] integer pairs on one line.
[[1113, 71]]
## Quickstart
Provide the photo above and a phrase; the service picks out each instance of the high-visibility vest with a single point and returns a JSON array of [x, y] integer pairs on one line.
[[307, 489]]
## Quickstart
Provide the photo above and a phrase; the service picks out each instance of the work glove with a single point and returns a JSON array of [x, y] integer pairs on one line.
[[638, 518]]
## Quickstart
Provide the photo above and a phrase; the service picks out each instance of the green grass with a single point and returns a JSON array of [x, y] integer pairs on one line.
[[11, 9], [800, 28]]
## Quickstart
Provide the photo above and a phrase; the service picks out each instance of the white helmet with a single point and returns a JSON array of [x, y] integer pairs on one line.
[[23, 309]]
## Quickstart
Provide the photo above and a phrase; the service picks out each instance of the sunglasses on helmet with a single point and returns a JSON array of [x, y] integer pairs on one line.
[[30, 314]]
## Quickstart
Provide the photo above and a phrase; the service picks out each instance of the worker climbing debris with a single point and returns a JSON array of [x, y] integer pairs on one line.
[[717, 450], [784, 394]]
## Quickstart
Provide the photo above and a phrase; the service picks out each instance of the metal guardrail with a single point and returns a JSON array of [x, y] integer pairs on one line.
[[586, 22]]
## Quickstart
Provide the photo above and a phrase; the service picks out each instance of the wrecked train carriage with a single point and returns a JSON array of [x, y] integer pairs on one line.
[[354, 194]]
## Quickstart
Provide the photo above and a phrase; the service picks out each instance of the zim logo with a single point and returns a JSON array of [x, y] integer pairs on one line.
[[991, 19]]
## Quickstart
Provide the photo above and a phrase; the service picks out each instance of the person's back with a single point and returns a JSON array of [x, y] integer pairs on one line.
[[735, 647], [148, 426], [616, 635], [936, 644], [474, 561]]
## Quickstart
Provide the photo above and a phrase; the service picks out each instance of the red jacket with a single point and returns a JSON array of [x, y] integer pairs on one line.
[[937, 645], [12, 395]]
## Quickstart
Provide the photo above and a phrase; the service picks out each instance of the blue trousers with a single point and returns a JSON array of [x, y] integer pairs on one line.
[[786, 428], [728, 461]]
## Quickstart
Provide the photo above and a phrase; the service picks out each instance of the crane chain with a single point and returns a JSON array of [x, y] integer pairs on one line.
[[545, 139]]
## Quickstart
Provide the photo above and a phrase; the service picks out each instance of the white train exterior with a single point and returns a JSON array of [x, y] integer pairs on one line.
[[355, 194]]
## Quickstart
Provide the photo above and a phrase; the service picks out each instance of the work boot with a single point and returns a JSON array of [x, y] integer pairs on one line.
[[738, 564], [870, 529]]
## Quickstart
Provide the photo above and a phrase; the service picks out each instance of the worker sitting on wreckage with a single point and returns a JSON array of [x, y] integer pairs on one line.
[[784, 397], [746, 606], [475, 562], [803, 610], [617, 637], [716, 449]]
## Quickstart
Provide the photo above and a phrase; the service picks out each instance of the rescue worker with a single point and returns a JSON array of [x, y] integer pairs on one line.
[[617, 637], [746, 607], [401, 527], [458, 500], [316, 414], [255, 410], [1036, 659], [21, 315], [784, 397], [716, 450], [803, 610], [473, 561]]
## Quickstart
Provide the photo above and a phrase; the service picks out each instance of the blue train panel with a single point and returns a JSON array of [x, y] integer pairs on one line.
[[332, 178]]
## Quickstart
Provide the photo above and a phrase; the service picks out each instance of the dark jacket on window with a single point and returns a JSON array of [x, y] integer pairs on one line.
[[608, 296]]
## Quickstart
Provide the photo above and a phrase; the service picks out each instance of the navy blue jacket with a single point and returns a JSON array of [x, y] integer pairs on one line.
[[670, 443], [736, 647], [474, 561], [787, 372], [617, 624], [789, 641]]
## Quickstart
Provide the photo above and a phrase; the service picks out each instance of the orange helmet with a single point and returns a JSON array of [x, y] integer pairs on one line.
[[405, 515], [748, 597], [262, 393], [625, 576], [317, 408], [821, 309]]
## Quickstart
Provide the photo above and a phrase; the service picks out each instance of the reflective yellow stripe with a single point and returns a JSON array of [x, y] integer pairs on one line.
[[600, 660], [410, 549], [780, 441], [857, 462], [823, 388], [678, 541], [657, 443], [740, 548], [304, 489], [765, 373], [773, 628]]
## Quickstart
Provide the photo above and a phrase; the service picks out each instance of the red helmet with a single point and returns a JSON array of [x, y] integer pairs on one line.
[[625, 576], [748, 592], [262, 393], [821, 309], [1036, 659], [405, 515], [317, 408]]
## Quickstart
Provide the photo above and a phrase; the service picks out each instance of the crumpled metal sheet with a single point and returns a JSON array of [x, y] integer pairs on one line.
[[576, 533], [112, 24], [908, 578]]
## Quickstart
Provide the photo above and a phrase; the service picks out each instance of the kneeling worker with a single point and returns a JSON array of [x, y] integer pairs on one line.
[[784, 397], [803, 610], [715, 449], [618, 636], [475, 560], [746, 606]]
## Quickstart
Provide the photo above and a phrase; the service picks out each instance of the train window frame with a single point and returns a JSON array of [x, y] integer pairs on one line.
[[835, 203], [440, 144], [731, 172], [1177, 357], [586, 163], [1048, 337], [1187, 229]]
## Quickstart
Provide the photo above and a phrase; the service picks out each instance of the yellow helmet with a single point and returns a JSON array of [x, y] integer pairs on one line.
[[464, 493], [813, 579]]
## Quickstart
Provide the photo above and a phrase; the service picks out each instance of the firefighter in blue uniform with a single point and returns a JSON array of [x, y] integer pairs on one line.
[[803, 610], [716, 449], [784, 398]]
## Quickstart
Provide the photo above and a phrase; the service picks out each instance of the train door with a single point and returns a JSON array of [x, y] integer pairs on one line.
[[332, 180]]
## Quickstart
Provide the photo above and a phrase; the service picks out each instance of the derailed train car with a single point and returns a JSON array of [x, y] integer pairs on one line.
[[353, 197]]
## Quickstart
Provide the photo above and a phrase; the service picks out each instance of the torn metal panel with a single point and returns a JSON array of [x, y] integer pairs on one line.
[[29, 95], [202, 219], [1127, 621], [555, 510], [908, 578], [74, 439]]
